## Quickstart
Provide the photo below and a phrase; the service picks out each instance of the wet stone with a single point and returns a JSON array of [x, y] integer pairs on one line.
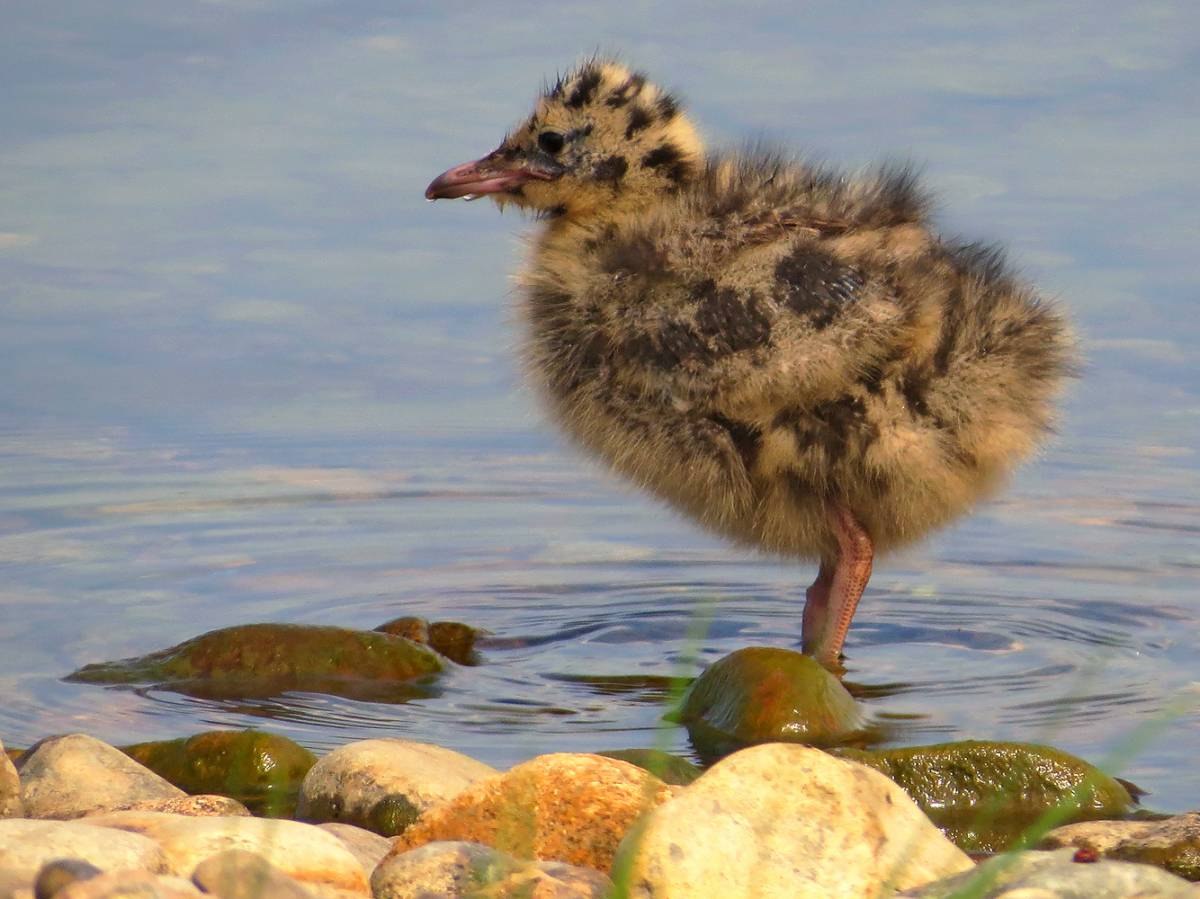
[[384, 785], [670, 769], [264, 771], [767, 694], [452, 639], [260, 660], [1172, 843], [986, 794]]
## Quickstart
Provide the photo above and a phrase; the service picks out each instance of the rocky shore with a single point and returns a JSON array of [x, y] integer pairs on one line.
[[395, 819], [793, 801]]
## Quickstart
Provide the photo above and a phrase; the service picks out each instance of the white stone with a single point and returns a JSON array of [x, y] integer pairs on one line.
[[301, 851], [783, 821], [26, 845], [75, 775], [349, 782]]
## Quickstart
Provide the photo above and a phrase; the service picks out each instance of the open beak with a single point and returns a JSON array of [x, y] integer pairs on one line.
[[499, 172]]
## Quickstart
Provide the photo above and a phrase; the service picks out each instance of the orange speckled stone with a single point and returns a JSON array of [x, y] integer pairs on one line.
[[570, 807]]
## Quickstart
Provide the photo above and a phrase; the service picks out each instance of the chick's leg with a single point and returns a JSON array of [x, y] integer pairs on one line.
[[833, 597]]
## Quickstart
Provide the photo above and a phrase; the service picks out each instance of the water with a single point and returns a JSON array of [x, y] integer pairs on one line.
[[249, 375]]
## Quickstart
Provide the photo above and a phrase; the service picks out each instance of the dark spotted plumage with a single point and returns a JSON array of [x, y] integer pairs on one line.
[[792, 357]]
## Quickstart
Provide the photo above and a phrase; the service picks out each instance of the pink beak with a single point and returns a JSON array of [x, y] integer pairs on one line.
[[491, 175]]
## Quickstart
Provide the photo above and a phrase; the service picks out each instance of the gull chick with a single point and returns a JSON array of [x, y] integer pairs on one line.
[[791, 357]]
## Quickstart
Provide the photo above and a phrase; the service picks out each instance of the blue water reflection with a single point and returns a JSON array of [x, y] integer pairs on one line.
[[248, 374]]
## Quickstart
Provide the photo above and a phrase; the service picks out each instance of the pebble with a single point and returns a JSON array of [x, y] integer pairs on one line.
[[74, 775], [130, 885], [1056, 875], [787, 821], [369, 848], [1172, 843], [454, 869], [26, 845], [384, 785], [302, 851], [10, 788], [769, 821], [570, 807], [238, 874]]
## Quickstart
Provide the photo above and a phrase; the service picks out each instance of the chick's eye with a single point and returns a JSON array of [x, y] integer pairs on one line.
[[550, 141]]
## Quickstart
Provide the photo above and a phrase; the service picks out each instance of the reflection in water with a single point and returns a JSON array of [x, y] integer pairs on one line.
[[598, 610], [249, 376]]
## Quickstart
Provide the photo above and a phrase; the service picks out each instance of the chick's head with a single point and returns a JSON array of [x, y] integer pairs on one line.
[[600, 141]]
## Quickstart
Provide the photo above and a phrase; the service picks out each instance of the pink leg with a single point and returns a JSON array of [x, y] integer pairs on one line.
[[834, 595]]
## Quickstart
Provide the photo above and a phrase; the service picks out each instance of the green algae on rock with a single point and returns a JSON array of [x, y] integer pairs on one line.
[[765, 694], [454, 640], [670, 769], [263, 771], [259, 660], [985, 794]]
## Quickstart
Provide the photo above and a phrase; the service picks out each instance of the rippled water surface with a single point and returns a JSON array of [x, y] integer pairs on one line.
[[248, 375]]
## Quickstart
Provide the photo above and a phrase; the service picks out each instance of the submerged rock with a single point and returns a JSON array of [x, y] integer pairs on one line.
[[264, 771], [670, 769], [986, 794], [75, 775], [384, 785], [765, 694], [258, 660], [570, 807], [782, 821], [1057, 875], [1172, 843], [454, 640]]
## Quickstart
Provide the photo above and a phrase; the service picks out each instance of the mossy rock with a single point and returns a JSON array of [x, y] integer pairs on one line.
[[452, 639], [668, 768], [263, 771], [766, 694], [259, 660], [986, 795]]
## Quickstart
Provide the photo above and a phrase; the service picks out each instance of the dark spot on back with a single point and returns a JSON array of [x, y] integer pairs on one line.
[[585, 88], [611, 169], [730, 322], [814, 284], [745, 437], [668, 107], [872, 380], [639, 118], [913, 387], [669, 159], [629, 89]]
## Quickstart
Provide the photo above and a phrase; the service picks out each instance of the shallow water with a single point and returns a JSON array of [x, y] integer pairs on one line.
[[248, 375]]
